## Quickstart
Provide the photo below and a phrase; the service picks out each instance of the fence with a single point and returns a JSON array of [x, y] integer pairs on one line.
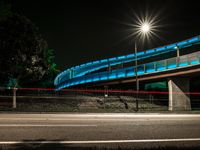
[[85, 100]]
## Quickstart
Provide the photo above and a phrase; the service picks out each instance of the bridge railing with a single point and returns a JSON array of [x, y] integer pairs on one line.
[[153, 67]]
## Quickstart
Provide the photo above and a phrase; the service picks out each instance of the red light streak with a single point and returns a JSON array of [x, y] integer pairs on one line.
[[106, 91]]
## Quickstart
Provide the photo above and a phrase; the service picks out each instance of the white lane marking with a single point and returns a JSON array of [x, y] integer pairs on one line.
[[101, 115], [96, 119], [46, 125], [126, 115], [101, 141], [110, 117]]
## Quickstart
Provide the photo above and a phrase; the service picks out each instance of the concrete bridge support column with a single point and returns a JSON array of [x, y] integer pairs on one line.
[[178, 100]]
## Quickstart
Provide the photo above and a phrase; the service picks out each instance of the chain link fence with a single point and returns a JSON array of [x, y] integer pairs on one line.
[[85, 100]]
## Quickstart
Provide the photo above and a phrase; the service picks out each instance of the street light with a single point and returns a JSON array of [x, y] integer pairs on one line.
[[144, 30], [144, 26]]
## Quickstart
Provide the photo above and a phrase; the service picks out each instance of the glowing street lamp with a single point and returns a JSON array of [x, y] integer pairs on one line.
[[144, 26], [144, 30]]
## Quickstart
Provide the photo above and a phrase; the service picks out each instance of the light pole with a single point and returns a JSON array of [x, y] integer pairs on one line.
[[144, 29], [136, 77]]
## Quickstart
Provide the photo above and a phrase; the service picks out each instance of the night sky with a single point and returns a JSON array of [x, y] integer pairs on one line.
[[82, 31]]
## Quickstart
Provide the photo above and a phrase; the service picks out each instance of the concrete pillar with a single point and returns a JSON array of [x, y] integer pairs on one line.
[[178, 100]]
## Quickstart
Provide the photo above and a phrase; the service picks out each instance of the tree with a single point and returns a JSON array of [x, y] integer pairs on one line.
[[25, 57], [5, 9], [49, 59]]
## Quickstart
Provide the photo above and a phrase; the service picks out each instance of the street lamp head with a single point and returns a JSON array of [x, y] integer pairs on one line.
[[145, 28], [142, 27]]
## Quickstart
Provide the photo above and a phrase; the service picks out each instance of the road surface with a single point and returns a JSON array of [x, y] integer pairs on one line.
[[101, 130]]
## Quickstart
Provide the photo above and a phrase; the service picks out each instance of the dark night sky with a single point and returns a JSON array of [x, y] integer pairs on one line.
[[81, 31]]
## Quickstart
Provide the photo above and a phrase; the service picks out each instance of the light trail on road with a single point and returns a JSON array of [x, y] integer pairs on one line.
[[102, 141]]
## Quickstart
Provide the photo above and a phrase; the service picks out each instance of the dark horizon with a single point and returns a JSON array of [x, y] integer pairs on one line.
[[84, 31]]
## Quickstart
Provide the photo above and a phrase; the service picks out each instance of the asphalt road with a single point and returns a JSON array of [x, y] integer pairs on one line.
[[101, 130]]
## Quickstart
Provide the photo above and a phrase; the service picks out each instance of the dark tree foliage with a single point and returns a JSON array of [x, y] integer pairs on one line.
[[52, 69], [25, 57]]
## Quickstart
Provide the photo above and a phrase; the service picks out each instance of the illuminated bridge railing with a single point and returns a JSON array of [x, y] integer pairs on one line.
[[90, 67], [153, 67]]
